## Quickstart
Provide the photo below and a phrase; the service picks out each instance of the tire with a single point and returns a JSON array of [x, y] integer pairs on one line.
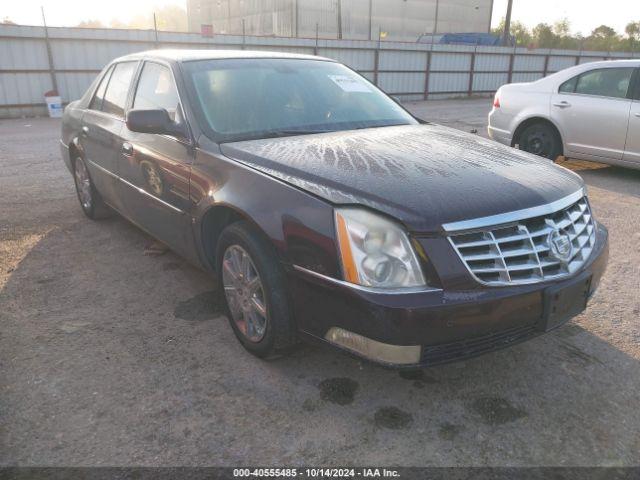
[[276, 334], [90, 200], [540, 139]]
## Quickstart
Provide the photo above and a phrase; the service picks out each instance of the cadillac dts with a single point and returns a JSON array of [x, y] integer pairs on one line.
[[326, 211]]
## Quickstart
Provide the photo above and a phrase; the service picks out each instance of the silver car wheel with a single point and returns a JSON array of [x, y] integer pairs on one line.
[[244, 293], [83, 183]]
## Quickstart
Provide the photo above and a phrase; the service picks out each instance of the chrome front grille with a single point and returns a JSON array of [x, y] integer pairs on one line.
[[529, 250]]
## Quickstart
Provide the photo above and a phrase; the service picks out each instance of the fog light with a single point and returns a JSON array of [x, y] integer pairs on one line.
[[383, 352]]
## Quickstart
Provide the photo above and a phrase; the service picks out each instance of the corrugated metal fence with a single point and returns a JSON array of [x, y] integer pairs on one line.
[[33, 61]]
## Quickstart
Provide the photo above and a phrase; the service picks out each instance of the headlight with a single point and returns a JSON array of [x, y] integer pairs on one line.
[[375, 252]]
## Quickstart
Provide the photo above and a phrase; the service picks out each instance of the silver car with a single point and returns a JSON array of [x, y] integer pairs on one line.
[[588, 112]]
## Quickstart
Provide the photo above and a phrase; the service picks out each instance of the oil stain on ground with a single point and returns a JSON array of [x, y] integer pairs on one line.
[[496, 410], [340, 390], [171, 266], [449, 431], [420, 379], [204, 306], [393, 418]]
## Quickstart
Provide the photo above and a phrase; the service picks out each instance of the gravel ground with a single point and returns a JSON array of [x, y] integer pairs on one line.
[[112, 357]]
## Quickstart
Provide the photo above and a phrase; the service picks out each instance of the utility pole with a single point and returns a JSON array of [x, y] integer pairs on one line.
[[52, 72], [435, 22], [506, 36], [340, 19], [370, 19], [155, 28]]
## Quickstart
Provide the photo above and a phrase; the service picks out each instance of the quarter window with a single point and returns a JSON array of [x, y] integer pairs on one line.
[[569, 86], [96, 101], [156, 89], [605, 82], [116, 95]]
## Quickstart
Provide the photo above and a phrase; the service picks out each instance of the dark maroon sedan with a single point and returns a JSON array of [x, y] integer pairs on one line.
[[329, 212]]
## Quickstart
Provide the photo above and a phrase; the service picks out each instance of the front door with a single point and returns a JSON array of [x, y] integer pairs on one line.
[[632, 149], [592, 111], [155, 169]]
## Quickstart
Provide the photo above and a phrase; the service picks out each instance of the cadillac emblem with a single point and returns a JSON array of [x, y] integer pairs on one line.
[[559, 243]]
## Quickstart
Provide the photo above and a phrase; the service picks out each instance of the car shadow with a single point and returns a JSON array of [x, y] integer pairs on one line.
[[615, 179], [100, 342]]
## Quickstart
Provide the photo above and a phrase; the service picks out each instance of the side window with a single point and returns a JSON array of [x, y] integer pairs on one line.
[[96, 101], [116, 95], [569, 86], [156, 89], [606, 82]]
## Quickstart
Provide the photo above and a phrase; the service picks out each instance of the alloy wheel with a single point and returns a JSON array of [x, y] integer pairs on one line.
[[244, 293], [83, 183]]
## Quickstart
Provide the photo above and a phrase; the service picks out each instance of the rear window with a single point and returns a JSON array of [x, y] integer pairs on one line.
[[96, 101], [116, 96], [603, 82]]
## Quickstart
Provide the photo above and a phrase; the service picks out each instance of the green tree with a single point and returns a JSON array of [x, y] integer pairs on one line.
[[518, 30], [170, 18], [91, 24], [603, 38], [563, 38], [633, 34], [543, 36]]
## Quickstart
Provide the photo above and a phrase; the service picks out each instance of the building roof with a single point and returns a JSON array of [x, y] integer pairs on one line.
[[178, 55]]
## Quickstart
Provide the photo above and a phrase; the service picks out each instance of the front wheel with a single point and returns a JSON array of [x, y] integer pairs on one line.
[[255, 291], [540, 139]]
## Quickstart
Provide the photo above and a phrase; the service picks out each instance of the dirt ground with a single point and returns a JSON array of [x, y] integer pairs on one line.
[[112, 357]]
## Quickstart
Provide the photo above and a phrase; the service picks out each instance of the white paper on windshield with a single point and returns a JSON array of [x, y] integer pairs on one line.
[[350, 84]]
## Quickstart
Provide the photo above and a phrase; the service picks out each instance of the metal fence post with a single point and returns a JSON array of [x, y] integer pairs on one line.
[[376, 58], [52, 71], [473, 67], [243, 35], [315, 49], [546, 65], [155, 30], [512, 58], [426, 75]]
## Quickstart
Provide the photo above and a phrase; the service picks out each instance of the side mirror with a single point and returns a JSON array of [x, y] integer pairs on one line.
[[153, 121]]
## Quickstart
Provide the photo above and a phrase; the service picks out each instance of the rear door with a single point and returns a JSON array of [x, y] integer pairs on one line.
[[155, 168], [632, 149], [101, 125], [592, 112]]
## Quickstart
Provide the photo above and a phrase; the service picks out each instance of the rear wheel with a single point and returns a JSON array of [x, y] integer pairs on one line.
[[90, 200], [540, 139], [254, 291]]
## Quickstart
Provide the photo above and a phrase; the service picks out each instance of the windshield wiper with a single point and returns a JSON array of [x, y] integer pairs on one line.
[[294, 131]]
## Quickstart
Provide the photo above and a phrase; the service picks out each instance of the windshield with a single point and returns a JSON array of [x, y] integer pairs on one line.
[[242, 99]]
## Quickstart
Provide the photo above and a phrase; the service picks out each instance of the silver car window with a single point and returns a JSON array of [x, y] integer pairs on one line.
[[605, 82]]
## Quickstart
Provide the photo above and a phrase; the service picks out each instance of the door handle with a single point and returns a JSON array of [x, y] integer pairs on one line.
[[562, 104], [637, 114], [127, 149], [85, 131]]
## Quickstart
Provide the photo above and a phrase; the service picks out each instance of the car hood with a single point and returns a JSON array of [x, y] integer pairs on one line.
[[423, 175]]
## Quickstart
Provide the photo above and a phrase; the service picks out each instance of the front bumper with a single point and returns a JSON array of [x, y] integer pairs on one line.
[[447, 324]]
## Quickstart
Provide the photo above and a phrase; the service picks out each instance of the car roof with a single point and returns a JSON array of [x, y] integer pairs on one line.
[[632, 62], [177, 55]]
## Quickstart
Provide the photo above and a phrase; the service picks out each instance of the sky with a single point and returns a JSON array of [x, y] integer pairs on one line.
[[584, 15]]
